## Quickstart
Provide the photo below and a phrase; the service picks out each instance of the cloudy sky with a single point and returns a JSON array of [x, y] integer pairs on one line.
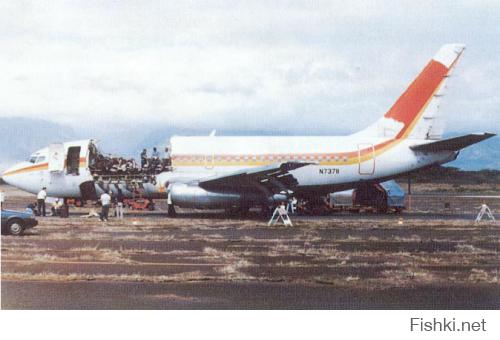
[[321, 66]]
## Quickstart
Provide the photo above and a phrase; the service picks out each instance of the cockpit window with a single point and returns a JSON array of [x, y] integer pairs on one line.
[[32, 159]]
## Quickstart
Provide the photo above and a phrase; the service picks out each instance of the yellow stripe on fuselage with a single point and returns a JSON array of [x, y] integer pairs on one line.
[[38, 167]]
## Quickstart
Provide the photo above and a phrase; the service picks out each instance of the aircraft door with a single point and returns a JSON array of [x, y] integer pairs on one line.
[[56, 157], [73, 160], [366, 159]]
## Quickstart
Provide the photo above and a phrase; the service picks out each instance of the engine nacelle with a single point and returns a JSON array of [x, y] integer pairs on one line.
[[192, 196]]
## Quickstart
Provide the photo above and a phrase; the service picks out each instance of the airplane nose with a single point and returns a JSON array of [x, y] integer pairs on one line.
[[8, 174], [16, 177]]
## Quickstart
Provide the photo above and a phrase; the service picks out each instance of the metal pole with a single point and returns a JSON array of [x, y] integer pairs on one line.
[[409, 193]]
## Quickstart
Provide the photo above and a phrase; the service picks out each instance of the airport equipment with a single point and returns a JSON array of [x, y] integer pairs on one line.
[[382, 197], [280, 213], [484, 210], [139, 204]]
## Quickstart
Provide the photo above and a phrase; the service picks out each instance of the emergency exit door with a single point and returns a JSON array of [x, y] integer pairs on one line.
[[366, 159]]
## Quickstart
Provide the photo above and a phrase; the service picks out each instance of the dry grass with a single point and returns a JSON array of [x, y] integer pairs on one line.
[[388, 254], [56, 277]]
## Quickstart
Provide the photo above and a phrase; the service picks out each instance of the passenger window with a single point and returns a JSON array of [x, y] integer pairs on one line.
[[40, 159]]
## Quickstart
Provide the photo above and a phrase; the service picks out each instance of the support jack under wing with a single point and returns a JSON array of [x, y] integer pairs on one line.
[[452, 144]]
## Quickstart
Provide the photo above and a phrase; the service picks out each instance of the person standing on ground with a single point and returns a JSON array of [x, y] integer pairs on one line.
[[40, 200], [119, 204], [105, 202]]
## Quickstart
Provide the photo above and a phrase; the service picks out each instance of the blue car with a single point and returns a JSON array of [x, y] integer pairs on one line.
[[16, 222]]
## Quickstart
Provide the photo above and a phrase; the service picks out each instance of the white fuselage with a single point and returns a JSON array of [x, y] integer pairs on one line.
[[339, 162]]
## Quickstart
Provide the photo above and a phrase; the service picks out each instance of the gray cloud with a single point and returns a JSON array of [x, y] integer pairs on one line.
[[241, 65]]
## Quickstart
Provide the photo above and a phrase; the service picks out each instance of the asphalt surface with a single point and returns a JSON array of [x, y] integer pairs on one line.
[[220, 295]]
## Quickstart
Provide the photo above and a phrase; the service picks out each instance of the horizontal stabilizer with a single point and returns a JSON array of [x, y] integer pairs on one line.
[[453, 144]]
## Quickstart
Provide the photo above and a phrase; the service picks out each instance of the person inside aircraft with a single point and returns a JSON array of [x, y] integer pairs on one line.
[[167, 160], [98, 164], [131, 166], [114, 165], [104, 165], [155, 154], [144, 158], [124, 166]]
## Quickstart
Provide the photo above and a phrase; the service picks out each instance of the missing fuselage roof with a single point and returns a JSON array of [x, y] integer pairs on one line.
[[105, 167]]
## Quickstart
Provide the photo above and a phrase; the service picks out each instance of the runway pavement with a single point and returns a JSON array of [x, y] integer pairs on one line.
[[153, 262]]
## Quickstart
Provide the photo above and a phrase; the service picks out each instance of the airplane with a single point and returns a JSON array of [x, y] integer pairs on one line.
[[212, 172]]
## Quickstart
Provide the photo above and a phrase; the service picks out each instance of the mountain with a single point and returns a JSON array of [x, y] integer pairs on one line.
[[484, 155], [19, 137]]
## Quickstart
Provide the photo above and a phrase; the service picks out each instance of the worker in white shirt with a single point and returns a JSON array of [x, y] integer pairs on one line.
[[106, 202], [40, 200]]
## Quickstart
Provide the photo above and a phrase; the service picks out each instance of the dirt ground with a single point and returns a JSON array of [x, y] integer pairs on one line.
[[208, 261]]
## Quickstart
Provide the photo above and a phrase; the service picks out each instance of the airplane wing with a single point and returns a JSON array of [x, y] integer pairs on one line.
[[276, 175], [453, 144]]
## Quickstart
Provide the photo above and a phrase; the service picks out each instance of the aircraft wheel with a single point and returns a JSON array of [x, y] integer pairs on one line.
[[15, 227]]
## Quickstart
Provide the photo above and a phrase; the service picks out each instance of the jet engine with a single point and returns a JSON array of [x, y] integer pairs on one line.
[[193, 196]]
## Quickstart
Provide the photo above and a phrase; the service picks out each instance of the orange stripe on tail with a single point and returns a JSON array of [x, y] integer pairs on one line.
[[413, 100]]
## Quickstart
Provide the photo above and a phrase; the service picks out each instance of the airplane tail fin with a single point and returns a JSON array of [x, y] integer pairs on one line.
[[416, 113]]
